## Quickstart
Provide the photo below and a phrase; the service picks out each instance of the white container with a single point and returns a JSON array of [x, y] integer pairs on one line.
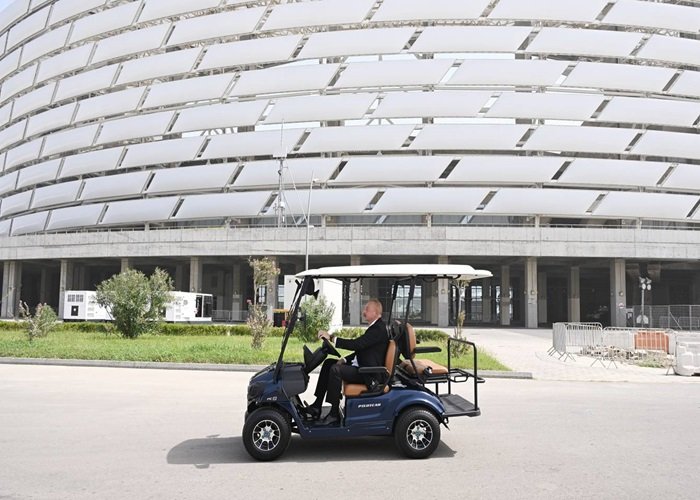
[[81, 305]]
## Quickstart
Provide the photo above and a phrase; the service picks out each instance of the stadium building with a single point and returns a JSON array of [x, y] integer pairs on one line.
[[554, 143]]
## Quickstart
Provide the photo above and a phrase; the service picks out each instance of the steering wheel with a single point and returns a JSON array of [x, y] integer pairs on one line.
[[330, 348]]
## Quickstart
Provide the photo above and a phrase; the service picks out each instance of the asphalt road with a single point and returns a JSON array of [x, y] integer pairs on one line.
[[72, 433]]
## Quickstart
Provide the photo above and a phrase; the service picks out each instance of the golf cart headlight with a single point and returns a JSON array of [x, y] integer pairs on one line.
[[255, 390]]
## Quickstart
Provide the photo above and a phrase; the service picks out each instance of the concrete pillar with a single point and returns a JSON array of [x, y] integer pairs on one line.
[[542, 297], [238, 291], [618, 293], [196, 269], [65, 282], [43, 285], [82, 277], [443, 297], [575, 294], [486, 297], [695, 291], [505, 296], [11, 288], [530, 301], [180, 278], [355, 298], [126, 264]]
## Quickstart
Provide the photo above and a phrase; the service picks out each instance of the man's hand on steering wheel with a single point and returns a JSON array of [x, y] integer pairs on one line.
[[327, 343]]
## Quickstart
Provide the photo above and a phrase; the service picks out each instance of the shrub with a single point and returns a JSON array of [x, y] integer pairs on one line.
[[135, 301], [265, 273], [316, 314], [41, 323]]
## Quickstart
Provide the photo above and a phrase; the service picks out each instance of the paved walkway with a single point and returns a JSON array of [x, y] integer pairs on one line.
[[525, 350]]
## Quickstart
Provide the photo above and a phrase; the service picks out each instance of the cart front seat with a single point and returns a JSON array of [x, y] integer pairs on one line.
[[420, 364], [354, 390]]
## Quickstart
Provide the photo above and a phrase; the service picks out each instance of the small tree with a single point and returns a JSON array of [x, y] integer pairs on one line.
[[459, 348], [265, 273], [136, 302], [317, 315], [42, 323]]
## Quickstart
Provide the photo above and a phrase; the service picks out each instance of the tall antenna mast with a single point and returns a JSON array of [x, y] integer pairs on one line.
[[279, 207]]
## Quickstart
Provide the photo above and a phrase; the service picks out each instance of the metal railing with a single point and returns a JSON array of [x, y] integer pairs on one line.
[[226, 316], [676, 317]]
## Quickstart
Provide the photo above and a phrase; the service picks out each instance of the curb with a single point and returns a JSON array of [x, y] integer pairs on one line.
[[152, 365]]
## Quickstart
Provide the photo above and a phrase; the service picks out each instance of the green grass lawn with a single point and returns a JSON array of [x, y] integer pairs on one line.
[[233, 349]]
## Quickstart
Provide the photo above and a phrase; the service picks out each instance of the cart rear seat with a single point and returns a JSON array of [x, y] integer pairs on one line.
[[421, 365]]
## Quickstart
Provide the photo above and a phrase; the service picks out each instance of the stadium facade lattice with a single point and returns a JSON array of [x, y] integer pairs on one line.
[[554, 143]]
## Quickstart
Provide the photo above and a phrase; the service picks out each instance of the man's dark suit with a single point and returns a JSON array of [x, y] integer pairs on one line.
[[370, 350]]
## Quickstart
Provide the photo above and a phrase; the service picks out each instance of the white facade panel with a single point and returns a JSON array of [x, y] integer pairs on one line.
[[469, 137], [320, 108], [251, 144], [238, 114], [82, 216], [582, 139], [31, 101], [5, 113], [8, 182], [603, 172], [654, 15], [319, 13], [508, 72], [565, 202], [41, 172], [115, 103], [671, 144], [24, 153], [418, 10], [68, 8], [102, 160], [104, 21], [136, 211], [48, 42], [12, 134], [584, 42], [216, 25], [432, 201], [17, 83], [398, 73], [298, 172], [619, 76], [64, 62], [443, 103], [12, 12], [114, 186], [5, 227], [29, 26], [209, 206], [284, 79], [76, 138], [471, 39], [15, 203], [88, 81], [9, 63], [682, 177], [57, 194], [482, 169], [687, 84], [51, 119], [393, 170], [248, 52], [203, 88], [31, 223], [671, 49], [328, 201], [185, 179], [545, 105], [656, 111], [160, 152], [147, 68], [356, 42], [130, 43], [158, 9], [134, 127], [561, 10], [646, 205], [371, 138]]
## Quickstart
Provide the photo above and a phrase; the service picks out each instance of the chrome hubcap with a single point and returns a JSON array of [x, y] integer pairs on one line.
[[266, 435], [419, 434]]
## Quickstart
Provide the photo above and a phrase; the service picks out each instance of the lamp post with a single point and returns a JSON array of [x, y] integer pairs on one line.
[[308, 220], [644, 284]]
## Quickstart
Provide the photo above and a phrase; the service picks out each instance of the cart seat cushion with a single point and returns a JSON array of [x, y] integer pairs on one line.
[[422, 364], [353, 390]]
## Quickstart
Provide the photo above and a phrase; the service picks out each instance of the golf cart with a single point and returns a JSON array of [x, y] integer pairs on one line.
[[401, 403]]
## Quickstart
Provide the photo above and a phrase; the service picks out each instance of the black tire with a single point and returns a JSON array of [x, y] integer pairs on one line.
[[417, 433], [266, 434]]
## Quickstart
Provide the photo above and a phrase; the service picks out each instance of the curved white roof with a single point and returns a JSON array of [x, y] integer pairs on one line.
[[398, 271]]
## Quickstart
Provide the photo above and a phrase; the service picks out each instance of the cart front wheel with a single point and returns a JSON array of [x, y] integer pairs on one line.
[[266, 434], [417, 433]]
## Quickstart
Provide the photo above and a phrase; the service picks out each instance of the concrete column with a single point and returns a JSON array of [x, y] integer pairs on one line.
[[11, 288], [82, 277], [196, 269], [618, 293], [575, 294], [695, 291], [180, 278], [238, 291], [486, 297], [443, 297], [126, 264], [355, 298], [505, 296], [542, 297], [65, 282], [43, 285], [530, 301]]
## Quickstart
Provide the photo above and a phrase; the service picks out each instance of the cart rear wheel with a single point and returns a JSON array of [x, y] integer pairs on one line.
[[417, 433], [266, 434]]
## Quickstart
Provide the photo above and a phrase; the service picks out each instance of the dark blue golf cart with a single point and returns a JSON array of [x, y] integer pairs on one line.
[[414, 395]]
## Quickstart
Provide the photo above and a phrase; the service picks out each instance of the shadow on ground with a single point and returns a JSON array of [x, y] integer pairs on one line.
[[204, 452]]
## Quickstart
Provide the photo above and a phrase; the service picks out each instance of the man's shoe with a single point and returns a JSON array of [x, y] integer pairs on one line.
[[332, 419], [310, 412]]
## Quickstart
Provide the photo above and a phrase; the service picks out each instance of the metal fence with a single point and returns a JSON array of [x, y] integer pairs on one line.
[[676, 317], [226, 316]]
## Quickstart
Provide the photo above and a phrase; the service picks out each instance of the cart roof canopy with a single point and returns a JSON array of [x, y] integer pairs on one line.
[[450, 271]]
